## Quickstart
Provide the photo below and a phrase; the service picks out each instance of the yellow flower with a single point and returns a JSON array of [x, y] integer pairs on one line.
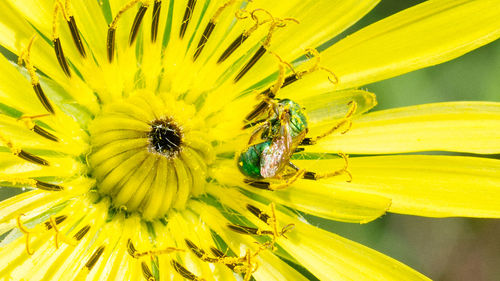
[[131, 121]]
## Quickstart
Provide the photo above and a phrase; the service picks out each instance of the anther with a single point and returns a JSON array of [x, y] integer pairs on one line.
[[58, 8], [137, 23], [81, 233], [187, 17], [75, 34], [94, 258], [110, 39], [37, 129], [48, 186], [147, 272], [155, 20], [200, 253], [184, 272], [44, 133], [25, 57], [209, 28]]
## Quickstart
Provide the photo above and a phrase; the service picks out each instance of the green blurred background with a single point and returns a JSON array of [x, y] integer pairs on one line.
[[451, 249]]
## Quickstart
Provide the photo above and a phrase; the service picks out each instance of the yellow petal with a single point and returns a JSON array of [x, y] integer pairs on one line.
[[329, 201], [426, 34], [331, 257], [455, 126], [425, 185]]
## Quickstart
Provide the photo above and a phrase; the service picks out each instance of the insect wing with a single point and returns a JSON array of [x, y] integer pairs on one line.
[[273, 158], [276, 157]]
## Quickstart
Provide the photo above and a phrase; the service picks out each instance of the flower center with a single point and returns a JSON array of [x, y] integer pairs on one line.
[[165, 138], [149, 154]]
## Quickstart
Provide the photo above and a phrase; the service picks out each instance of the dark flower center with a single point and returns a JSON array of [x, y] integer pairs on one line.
[[165, 138]]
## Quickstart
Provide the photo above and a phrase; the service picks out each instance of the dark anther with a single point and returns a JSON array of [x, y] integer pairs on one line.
[[110, 43], [43, 98], [32, 158], [48, 186], [147, 272], [258, 213], [234, 45], [130, 248], [94, 258], [257, 110], [258, 184], [59, 219], [187, 17], [256, 57], [155, 20], [81, 233], [60, 57], [42, 132], [137, 23], [309, 175], [203, 40], [76, 36], [183, 271], [307, 141]]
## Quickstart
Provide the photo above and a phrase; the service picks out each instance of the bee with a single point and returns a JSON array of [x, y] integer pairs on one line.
[[282, 128]]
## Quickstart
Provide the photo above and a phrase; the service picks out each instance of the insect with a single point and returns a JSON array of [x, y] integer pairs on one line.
[[281, 128]]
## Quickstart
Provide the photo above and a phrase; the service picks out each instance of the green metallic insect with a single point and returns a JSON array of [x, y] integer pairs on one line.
[[277, 137]]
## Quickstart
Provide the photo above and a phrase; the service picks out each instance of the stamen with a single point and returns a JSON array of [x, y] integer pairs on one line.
[[232, 47], [147, 272], [248, 230], [37, 129], [200, 253], [94, 258], [81, 233], [184, 272], [26, 232], [275, 23], [23, 154], [345, 120], [24, 57], [137, 23], [315, 176], [75, 34], [58, 8], [44, 133], [204, 38], [275, 186], [209, 28], [110, 40], [48, 186], [32, 182], [256, 57], [258, 213], [57, 220], [221, 256], [187, 17], [135, 254], [155, 20], [31, 158], [43, 98], [54, 225], [110, 43]]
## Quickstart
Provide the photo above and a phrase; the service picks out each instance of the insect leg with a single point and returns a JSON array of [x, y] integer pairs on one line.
[[345, 122], [315, 176]]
